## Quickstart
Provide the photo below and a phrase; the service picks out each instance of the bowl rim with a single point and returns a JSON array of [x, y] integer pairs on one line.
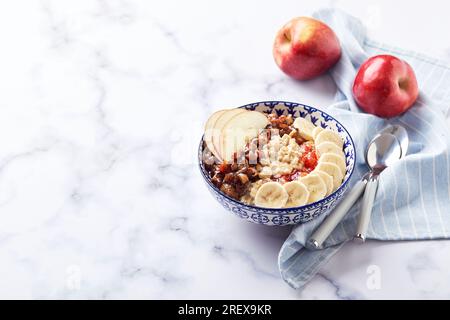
[[280, 211]]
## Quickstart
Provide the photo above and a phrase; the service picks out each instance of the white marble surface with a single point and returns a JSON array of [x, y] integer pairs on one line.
[[101, 108]]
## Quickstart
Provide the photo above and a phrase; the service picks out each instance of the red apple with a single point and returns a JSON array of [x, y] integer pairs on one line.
[[385, 86], [305, 48]]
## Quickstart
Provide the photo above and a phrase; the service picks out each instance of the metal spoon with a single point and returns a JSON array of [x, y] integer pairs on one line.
[[326, 228], [383, 151], [401, 134]]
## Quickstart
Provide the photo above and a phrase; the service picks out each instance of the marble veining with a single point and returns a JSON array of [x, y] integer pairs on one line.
[[100, 194]]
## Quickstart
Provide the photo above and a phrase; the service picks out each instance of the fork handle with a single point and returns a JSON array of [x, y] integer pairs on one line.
[[326, 228], [366, 208]]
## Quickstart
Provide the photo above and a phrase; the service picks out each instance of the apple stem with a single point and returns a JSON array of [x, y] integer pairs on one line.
[[287, 36], [403, 84]]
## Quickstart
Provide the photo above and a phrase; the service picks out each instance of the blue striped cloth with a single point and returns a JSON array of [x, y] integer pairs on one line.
[[413, 199]]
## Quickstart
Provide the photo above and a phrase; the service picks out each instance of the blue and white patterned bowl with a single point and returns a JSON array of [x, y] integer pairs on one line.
[[288, 216]]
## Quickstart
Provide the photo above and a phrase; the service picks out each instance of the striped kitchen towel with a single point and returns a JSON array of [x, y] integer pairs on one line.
[[413, 199]]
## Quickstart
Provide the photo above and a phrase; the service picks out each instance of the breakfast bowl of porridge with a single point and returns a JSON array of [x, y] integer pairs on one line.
[[276, 163]]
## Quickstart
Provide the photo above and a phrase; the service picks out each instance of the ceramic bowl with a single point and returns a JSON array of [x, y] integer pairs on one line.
[[296, 215]]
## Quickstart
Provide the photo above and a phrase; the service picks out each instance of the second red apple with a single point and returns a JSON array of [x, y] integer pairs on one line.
[[385, 86]]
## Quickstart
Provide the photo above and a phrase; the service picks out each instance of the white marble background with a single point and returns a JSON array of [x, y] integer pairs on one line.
[[101, 107]]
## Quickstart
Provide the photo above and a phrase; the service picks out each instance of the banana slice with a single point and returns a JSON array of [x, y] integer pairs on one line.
[[271, 195], [298, 194], [305, 128], [327, 179], [330, 136], [327, 147], [337, 159], [315, 185], [316, 131], [334, 171]]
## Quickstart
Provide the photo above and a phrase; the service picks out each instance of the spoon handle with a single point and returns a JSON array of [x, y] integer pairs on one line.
[[366, 208], [330, 223]]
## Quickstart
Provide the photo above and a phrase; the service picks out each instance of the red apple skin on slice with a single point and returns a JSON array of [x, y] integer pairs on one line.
[[239, 130], [209, 129], [218, 126]]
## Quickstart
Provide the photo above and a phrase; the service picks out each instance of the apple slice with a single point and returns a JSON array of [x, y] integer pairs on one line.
[[209, 130], [239, 130], [217, 128]]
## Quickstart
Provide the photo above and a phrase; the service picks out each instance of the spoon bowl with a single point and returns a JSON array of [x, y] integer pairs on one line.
[[383, 151], [401, 134]]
